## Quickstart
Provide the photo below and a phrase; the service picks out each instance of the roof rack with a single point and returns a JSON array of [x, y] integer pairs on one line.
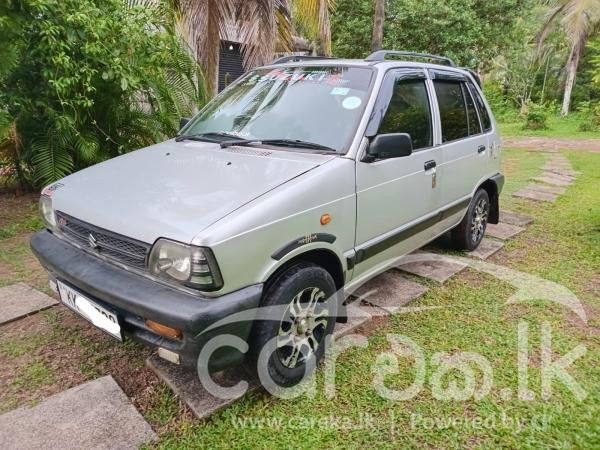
[[298, 58], [381, 55]]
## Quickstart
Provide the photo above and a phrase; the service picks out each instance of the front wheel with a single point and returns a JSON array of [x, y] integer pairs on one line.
[[304, 301], [470, 231]]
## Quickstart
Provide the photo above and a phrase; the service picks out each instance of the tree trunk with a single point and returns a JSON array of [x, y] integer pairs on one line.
[[377, 42], [325, 28], [572, 64]]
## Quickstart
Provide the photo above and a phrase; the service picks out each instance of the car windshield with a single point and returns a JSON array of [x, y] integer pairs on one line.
[[314, 105]]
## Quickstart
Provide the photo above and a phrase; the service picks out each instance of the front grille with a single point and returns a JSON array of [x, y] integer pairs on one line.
[[114, 246]]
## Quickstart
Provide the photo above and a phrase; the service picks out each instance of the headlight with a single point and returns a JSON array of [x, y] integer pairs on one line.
[[190, 266], [47, 212]]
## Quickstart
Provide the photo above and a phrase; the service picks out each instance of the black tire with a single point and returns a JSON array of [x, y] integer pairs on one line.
[[294, 283], [470, 231]]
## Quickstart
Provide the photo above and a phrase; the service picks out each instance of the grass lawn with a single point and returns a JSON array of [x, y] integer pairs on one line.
[[563, 245], [557, 127]]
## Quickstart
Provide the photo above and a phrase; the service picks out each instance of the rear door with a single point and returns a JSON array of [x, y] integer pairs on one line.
[[464, 145], [485, 118], [396, 197]]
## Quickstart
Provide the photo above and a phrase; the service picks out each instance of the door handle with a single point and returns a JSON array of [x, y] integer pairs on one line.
[[429, 165], [481, 149]]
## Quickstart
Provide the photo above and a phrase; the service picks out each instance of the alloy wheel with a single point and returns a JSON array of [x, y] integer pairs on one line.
[[303, 327], [478, 224]]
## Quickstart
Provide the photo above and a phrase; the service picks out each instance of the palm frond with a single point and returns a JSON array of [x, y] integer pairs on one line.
[[315, 15], [549, 23], [51, 161]]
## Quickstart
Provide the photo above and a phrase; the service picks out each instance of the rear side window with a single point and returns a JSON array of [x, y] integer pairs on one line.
[[453, 114], [483, 112], [474, 126], [408, 112]]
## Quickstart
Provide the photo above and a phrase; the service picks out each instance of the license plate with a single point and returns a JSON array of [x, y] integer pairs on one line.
[[90, 310]]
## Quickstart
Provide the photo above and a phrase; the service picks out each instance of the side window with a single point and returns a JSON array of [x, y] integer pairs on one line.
[[408, 112], [474, 126], [453, 114], [483, 112]]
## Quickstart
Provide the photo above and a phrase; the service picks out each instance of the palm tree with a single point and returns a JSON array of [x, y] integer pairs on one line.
[[316, 16], [377, 42], [579, 20], [263, 26]]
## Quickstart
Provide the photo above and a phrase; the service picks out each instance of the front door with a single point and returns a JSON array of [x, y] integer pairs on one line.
[[397, 197]]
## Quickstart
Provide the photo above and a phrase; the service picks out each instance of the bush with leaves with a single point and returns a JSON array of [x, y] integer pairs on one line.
[[535, 117], [87, 80]]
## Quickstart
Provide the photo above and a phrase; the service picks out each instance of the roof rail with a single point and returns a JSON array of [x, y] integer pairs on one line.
[[297, 58], [381, 55]]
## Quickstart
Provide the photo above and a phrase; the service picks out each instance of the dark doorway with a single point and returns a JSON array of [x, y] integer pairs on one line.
[[230, 63]]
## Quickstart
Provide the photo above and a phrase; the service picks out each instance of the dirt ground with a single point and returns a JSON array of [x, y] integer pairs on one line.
[[543, 144]]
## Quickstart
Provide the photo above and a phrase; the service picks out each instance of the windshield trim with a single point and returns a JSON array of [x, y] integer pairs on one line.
[[345, 148]]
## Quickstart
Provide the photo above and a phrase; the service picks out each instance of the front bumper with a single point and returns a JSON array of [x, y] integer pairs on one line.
[[135, 298]]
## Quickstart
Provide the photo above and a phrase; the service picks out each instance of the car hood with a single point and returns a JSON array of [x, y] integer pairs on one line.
[[176, 189]]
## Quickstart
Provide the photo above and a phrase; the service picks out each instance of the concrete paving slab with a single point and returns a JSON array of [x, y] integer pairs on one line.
[[544, 188], [94, 415], [390, 291], [569, 178], [553, 180], [563, 172], [187, 386], [514, 218], [19, 300], [356, 318], [438, 270], [487, 247], [535, 150], [535, 195], [503, 231], [558, 162]]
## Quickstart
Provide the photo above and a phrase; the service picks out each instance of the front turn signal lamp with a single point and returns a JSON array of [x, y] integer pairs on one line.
[[164, 330]]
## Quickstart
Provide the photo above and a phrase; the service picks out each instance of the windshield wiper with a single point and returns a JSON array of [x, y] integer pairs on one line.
[[296, 143], [233, 139], [209, 137]]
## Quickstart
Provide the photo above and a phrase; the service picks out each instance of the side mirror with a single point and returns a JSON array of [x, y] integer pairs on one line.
[[183, 122], [386, 146]]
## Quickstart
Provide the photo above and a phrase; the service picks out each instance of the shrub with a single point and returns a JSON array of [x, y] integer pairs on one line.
[[590, 116], [87, 80], [535, 118]]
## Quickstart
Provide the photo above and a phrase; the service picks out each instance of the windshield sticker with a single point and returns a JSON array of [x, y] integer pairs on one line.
[[293, 76], [352, 103], [340, 91]]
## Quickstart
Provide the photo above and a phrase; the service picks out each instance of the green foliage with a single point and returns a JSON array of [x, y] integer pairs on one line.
[[470, 31], [535, 118], [591, 116], [594, 62], [91, 79], [352, 26], [494, 93]]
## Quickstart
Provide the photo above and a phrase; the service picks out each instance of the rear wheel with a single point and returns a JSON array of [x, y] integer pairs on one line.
[[470, 231], [294, 339]]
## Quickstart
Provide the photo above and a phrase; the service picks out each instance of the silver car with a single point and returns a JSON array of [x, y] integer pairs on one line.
[[299, 182]]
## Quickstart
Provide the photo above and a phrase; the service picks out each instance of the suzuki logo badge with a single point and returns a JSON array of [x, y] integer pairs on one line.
[[92, 241]]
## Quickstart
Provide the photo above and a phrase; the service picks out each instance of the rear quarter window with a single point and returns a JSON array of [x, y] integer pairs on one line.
[[486, 122]]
